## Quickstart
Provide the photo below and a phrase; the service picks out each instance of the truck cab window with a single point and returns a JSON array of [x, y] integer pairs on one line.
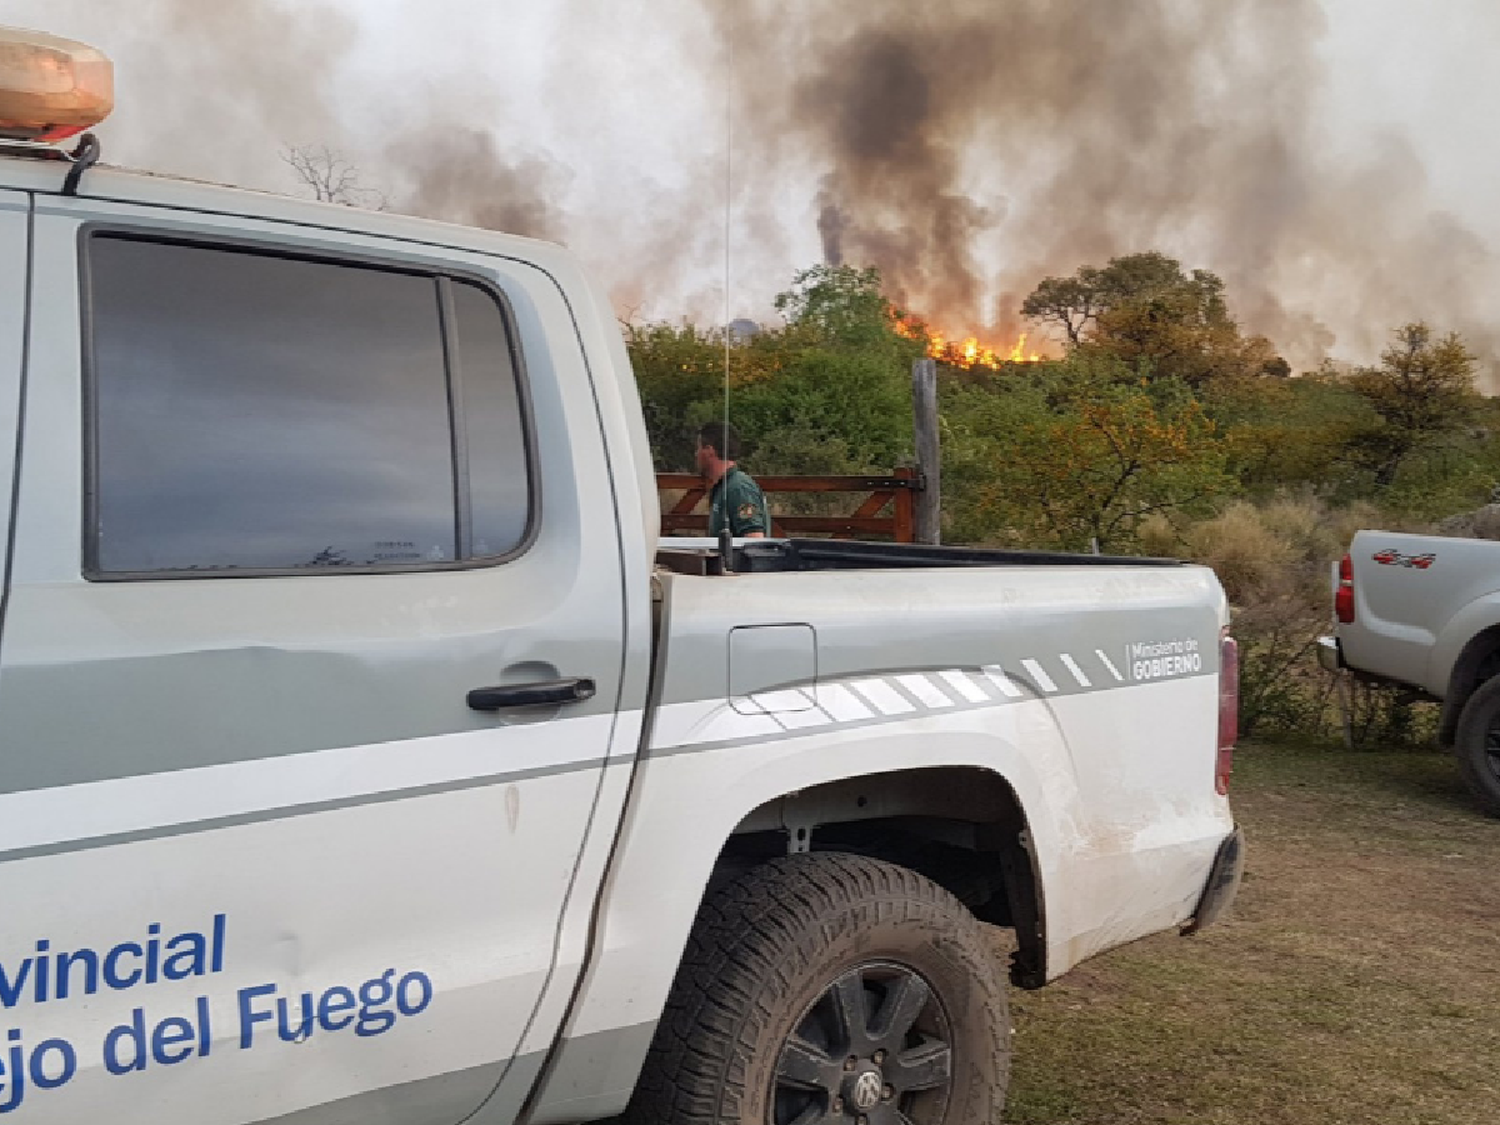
[[261, 413]]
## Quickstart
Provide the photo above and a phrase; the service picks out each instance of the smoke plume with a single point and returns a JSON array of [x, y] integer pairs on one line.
[[460, 176], [222, 89], [966, 149], [970, 149]]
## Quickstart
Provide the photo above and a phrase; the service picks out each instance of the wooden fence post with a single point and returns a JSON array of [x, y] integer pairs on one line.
[[929, 526]]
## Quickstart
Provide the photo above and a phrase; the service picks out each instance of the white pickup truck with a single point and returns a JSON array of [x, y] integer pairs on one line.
[[366, 757], [1424, 611]]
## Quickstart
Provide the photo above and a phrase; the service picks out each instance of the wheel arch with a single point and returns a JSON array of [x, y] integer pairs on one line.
[[963, 827], [956, 823], [1478, 661]]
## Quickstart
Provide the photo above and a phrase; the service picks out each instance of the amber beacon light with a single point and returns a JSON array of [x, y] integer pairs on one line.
[[51, 88]]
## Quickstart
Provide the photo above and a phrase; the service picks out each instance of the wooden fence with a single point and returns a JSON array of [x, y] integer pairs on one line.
[[889, 507]]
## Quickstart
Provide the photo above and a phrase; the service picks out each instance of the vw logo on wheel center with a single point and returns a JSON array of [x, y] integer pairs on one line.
[[867, 1089]]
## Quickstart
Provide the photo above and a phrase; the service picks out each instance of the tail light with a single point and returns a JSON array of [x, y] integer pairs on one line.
[[1343, 598], [1229, 709]]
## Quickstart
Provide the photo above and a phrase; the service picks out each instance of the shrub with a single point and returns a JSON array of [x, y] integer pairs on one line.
[[1272, 559]]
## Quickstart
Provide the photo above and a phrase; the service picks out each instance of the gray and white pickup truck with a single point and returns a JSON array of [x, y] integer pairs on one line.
[[1424, 611], [366, 757]]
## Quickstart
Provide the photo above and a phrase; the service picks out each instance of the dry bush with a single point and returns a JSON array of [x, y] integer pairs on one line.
[[1344, 522], [1388, 717], [1274, 560], [1380, 715], [1158, 538], [1251, 558], [1314, 533]]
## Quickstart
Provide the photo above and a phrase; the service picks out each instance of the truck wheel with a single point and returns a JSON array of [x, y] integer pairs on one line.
[[831, 988], [1477, 742]]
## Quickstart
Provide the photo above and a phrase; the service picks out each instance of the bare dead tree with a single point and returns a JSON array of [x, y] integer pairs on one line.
[[330, 177]]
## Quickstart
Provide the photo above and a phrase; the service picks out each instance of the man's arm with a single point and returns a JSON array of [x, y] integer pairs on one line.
[[745, 506], [748, 518]]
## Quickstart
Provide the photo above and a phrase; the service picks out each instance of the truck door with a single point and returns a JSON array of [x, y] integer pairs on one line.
[[309, 676], [14, 238]]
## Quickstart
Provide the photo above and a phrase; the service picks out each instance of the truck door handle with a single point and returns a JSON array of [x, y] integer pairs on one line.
[[572, 690]]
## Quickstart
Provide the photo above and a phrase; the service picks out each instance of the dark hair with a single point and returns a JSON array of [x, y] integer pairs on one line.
[[720, 435]]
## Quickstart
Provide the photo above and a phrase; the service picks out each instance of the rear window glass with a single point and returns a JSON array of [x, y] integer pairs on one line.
[[492, 416]]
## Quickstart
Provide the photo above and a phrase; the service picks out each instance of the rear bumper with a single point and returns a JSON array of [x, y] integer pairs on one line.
[[1223, 883], [1330, 655]]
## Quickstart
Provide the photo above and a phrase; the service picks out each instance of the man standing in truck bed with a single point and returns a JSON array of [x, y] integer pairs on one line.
[[735, 500]]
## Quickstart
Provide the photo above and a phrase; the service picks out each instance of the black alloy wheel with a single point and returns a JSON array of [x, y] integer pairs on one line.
[[874, 1047], [1477, 745], [831, 989]]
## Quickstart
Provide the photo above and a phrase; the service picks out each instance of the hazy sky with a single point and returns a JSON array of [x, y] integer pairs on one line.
[[1333, 160]]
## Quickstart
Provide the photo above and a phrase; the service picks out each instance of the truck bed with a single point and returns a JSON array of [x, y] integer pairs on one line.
[[761, 556]]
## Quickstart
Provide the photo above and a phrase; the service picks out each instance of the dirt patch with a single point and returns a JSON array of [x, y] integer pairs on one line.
[[1356, 981]]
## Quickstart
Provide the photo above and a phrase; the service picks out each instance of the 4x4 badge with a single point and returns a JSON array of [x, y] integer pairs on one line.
[[1390, 557]]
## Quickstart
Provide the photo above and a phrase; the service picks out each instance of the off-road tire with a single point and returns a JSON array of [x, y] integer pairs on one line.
[[789, 947], [1476, 743]]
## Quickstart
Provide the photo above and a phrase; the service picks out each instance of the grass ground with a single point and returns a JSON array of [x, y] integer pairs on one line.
[[1357, 980]]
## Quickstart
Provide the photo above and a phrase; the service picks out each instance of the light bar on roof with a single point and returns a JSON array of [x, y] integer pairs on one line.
[[51, 88]]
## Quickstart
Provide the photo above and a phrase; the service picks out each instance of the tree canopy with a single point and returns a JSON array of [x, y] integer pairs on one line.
[[1422, 393], [841, 307], [1162, 321], [827, 393], [1079, 456], [1159, 413]]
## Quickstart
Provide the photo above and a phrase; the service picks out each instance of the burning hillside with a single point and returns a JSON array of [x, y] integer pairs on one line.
[[967, 352]]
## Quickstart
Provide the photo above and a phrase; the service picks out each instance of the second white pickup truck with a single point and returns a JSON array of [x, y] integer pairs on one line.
[[364, 756], [1424, 611]]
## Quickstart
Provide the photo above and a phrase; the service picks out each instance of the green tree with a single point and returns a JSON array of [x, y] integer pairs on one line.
[[1068, 458], [828, 393], [1146, 310], [679, 372], [1072, 304], [1289, 433], [1076, 304], [844, 307], [840, 305], [827, 411], [1423, 393]]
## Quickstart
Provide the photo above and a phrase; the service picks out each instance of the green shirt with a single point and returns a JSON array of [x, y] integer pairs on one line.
[[736, 502]]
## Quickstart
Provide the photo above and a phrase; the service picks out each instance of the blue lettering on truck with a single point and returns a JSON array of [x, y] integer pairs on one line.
[[380, 1002], [261, 1013], [46, 976]]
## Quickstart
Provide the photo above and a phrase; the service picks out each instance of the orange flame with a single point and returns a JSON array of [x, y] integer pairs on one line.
[[968, 352]]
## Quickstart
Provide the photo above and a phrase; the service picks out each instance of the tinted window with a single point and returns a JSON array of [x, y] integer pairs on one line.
[[497, 445], [259, 412]]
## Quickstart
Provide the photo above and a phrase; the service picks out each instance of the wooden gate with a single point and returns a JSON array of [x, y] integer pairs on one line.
[[888, 509]]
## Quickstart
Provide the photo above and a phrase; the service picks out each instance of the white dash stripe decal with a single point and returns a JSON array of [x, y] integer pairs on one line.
[[884, 698], [782, 700], [964, 686], [996, 675], [1083, 681], [1039, 674], [1110, 664], [926, 692], [801, 720], [842, 704]]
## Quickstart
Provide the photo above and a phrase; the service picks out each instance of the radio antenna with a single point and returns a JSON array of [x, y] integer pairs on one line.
[[728, 207]]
